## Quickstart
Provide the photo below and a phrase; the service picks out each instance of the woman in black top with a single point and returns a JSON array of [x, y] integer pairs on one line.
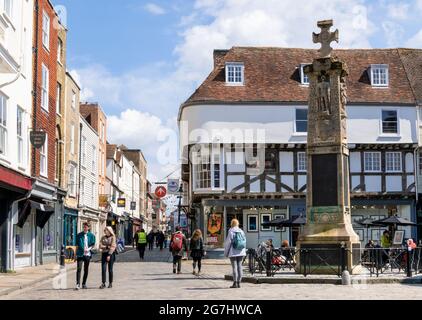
[[197, 250]]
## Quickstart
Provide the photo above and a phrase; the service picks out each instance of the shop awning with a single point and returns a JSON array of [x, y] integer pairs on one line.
[[44, 213]]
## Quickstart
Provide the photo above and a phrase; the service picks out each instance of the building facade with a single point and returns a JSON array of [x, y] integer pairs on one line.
[[16, 32], [72, 143], [88, 179], [250, 118], [96, 117], [137, 158]]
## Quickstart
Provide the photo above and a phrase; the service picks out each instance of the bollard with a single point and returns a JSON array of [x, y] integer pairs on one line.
[[268, 262], [409, 268], [345, 278], [62, 257]]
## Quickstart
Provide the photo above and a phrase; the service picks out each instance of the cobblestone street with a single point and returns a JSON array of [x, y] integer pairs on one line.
[[153, 279]]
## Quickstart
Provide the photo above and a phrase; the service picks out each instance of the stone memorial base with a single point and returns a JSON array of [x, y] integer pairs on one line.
[[325, 255]]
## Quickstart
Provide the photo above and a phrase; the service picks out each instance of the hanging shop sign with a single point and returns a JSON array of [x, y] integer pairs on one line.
[[121, 202], [37, 138], [173, 186]]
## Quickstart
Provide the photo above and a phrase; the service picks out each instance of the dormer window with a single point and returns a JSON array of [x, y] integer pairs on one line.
[[379, 75], [235, 73], [304, 79]]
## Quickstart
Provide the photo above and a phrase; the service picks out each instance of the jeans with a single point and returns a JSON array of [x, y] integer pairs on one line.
[[104, 264], [237, 268], [85, 261], [150, 245], [141, 249], [177, 261]]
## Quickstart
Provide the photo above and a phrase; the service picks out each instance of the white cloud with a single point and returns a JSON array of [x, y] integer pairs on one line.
[[146, 99], [154, 9], [393, 33], [137, 129], [415, 41], [399, 11]]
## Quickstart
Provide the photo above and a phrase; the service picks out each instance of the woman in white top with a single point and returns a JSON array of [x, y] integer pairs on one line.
[[235, 254]]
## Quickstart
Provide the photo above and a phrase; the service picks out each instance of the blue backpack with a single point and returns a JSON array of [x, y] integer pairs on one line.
[[239, 241]]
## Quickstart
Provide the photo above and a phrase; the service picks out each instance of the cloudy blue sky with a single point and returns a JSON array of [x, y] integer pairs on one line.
[[141, 59]]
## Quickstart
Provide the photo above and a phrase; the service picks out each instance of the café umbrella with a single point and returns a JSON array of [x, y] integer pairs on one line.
[[367, 223], [291, 222], [394, 221]]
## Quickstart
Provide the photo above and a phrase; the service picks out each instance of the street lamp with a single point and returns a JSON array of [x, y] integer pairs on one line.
[[179, 207]]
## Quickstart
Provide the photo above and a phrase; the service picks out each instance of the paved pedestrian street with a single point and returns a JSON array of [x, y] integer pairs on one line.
[[157, 281]]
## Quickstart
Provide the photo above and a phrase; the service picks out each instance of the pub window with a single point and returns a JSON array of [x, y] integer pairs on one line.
[[270, 160], [372, 161], [393, 162], [304, 79], [301, 162], [301, 120], [234, 73], [379, 75], [207, 169], [389, 121]]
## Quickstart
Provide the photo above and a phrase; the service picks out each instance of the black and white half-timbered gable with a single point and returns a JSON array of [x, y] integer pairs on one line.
[[243, 137]]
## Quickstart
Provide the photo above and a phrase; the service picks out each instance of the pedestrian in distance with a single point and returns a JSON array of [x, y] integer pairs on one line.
[[161, 238], [108, 256], [197, 250], [85, 242], [178, 244], [150, 239], [235, 249], [141, 242]]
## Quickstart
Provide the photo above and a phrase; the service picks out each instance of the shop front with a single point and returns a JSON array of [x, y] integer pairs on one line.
[[90, 216], [216, 216], [14, 188], [70, 227]]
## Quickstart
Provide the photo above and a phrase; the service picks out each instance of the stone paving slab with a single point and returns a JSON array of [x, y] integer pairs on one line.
[[30, 276]]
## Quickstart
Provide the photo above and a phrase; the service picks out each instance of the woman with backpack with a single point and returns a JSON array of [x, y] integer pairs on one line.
[[178, 243], [197, 250], [235, 249]]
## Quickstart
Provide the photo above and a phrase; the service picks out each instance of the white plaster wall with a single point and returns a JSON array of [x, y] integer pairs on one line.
[[373, 183], [269, 186], [87, 171], [301, 181], [255, 186], [234, 181], [409, 162], [286, 161], [288, 181], [19, 45], [355, 182], [355, 165], [393, 183], [277, 124]]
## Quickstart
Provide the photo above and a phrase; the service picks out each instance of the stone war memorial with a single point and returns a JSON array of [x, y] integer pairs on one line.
[[328, 234]]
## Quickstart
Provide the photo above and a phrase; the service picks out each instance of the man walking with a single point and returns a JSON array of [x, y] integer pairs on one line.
[[141, 242], [150, 239], [85, 242], [178, 243]]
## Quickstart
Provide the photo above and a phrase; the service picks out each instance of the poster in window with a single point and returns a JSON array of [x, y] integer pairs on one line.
[[252, 223], [265, 217], [215, 221]]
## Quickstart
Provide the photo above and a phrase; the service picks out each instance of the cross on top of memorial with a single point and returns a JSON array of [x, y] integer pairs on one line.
[[325, 37]]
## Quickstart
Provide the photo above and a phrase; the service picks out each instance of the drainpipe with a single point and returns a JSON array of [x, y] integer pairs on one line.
[[34, 89]]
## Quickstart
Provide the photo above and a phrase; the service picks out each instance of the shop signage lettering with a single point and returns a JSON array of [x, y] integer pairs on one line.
[[37, 138], [121, 203]]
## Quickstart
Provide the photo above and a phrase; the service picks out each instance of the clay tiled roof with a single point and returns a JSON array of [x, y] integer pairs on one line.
[[412, 62], [273, 75]]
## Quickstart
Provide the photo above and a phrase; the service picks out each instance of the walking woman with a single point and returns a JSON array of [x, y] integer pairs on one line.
[[107, 247], [197, 250], [235, 249]]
